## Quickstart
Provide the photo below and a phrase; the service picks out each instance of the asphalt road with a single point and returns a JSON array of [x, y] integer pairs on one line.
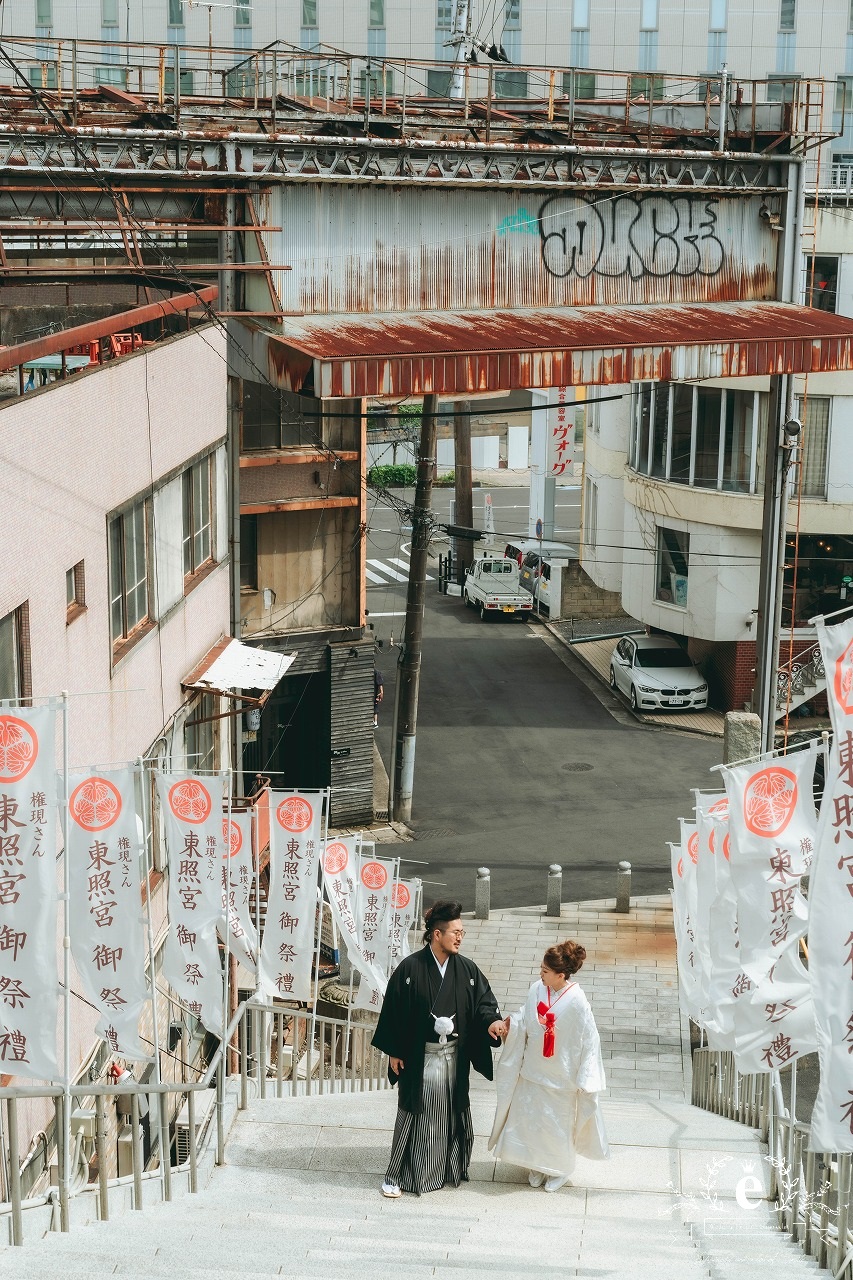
[[522, 758]]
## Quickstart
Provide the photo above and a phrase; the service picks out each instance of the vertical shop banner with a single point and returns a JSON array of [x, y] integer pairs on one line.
[[728, 984], [29, 981], [773, 824], [287, 950], [684, 939], [192, 814], [708, 807], [404, 905], [238, 873], [374, 898], [689, 864], [561, 432], [106, 924], [340, 876], [831, 905]]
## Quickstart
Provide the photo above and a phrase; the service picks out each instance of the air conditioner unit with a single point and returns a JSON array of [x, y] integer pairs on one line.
[[205, 1101]]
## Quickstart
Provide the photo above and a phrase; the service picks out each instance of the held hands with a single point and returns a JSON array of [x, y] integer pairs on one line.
[[397, 1065], [499, 1030]]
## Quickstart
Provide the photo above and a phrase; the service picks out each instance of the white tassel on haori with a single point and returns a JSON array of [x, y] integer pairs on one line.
[[443, 1028]]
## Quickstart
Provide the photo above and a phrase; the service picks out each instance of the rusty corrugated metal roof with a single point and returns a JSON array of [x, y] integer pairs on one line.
[[458, 353]]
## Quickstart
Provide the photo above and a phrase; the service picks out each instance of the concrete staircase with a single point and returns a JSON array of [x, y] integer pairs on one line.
[[299, 1197]]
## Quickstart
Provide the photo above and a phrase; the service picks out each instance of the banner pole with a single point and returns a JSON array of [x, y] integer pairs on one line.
[[65, 1168], [312, 1026], [225, 880], [162, 1102]]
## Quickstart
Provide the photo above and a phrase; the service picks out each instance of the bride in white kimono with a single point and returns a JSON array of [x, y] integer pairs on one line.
[[549, 1076]]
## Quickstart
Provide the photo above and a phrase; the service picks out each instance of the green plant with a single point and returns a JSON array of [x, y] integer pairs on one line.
[[446, 481], [401, 476]]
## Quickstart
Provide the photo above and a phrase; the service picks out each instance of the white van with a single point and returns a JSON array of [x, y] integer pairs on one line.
[[537, 572]]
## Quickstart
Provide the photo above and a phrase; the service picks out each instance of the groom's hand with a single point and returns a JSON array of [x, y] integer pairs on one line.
[[498, 1030], [397, 1065]]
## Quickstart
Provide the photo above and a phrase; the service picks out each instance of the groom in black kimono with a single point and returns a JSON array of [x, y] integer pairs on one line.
[[439, 1018]]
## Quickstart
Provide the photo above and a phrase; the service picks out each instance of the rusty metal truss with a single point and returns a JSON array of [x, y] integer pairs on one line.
[[128, 155]]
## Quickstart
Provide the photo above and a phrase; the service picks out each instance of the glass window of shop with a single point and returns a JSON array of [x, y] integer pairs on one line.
[[696, 435]]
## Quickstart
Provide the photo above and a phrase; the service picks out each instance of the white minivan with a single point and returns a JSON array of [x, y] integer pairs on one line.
[[537, 561]]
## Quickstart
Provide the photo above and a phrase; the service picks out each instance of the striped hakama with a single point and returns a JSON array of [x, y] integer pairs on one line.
[[434, 1148]]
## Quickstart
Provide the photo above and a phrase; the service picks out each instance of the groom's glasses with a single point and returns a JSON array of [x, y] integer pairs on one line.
[[455, 933]]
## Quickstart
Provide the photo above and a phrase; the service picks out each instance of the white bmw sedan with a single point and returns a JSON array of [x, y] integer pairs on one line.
[[656, 674]]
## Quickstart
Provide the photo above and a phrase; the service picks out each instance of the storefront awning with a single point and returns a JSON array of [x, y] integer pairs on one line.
[[231, 666], [462, 353]]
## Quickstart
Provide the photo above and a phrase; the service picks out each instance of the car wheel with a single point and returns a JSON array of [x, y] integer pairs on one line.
[[465, 599], [482, 613], [612, 679], [634, 706]]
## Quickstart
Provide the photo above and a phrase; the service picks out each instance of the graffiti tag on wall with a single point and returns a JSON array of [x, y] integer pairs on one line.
[[633, 236]]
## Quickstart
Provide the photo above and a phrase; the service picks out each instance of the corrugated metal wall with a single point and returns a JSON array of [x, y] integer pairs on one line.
[[352, 731], [363, 249]]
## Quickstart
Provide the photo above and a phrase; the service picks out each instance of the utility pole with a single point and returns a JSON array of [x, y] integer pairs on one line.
[[461, 40], [464, 494], [408, 680]]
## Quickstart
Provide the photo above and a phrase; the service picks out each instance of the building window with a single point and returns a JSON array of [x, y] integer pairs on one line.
[[75, 591], [197, 516], [646, 87], [850, 17], [717, 15], [843, 94], [512, 14], [129, 576], [249, 553], [109, 13], [176, 13], [590, 515], [444, 15], [824, 564], [44, 13], [781, 88], [787, 15], [16, 683], [309, 13], [580, 15], [377, 13], [701, 436], [822, 283], [672, 565], [242, 14], [648, 15], [815, 447], [42, 76], [584, 83], [200, 735], [169, 82]]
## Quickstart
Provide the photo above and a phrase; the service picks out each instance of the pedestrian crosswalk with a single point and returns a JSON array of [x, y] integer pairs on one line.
[[392, 569]]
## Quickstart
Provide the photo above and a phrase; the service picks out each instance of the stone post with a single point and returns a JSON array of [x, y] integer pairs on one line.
[[554, 901], [482, 893], [741, 736], [623, 887]]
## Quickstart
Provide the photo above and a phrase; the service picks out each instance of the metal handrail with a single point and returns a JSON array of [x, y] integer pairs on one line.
[[811, 1189], [326, 1055]]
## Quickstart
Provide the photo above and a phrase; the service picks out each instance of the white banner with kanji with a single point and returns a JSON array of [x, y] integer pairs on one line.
[[192, 817], [831, 905], [340, 876], [404, 905], [728, 985], [29, 986], [773, 826], [560, 454], [238, 871], [708, 807], [775, 1023], [682, 870], [289, 941], [106, 923], [375, 893]]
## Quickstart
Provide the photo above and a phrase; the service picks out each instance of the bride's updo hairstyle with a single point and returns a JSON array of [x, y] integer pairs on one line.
[[565, 958]]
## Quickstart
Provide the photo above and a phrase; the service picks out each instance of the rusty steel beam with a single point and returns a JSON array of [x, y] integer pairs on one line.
[[54, 343], [151, 269]]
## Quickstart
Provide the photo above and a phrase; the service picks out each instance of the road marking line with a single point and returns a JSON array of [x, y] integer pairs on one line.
[[400, 613], [404, 564], [374, 577], [392, 573]]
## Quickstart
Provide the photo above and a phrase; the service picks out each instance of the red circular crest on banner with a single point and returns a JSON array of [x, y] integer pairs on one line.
[[693, 847], [680, 868], [727, 848], [374, 875], [844, 680], [294, 814], [712, 841], [721, 807], [19, 748], [769, 801], [95, 804], [337, 857], [190, 801], [235, 840], [400, 896]]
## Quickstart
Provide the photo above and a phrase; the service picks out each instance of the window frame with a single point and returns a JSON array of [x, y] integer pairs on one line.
[[376, 14], [117, 525], [813, 274], [309, 13], [175, 16], [649, 15], [242, 14], [805, 462], [201, 723], [109, 13], [784, 27], [75, 591], [249, 563], [684, 552], [19, 621], [715, 6], [193, 533], [43, 7]]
